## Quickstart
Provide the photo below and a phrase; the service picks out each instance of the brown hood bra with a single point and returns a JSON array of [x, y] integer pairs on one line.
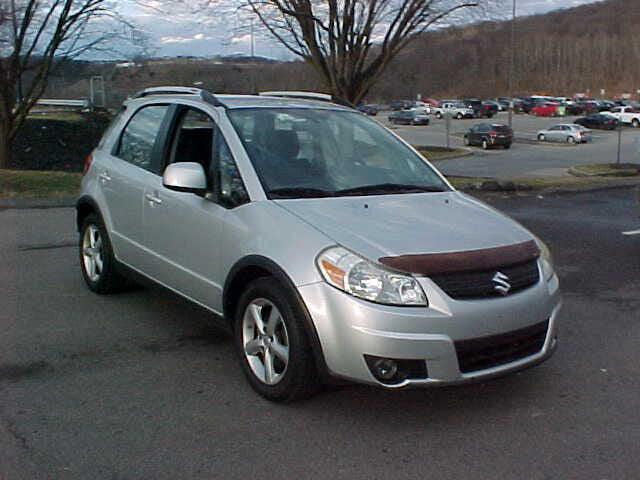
[[455, 262]]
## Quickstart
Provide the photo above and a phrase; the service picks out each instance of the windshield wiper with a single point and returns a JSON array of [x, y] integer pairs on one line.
[[388, 188], [298, 192]]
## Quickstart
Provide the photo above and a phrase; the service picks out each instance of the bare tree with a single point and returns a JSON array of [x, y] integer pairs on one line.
[[34, 34], [351, 42]]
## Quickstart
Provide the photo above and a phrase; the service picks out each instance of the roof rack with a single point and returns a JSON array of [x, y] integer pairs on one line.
[[323, 97], [203, 94]]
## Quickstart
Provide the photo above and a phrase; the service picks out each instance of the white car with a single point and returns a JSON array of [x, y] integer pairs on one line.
[[455, 109], [565, 132], [626, 114]]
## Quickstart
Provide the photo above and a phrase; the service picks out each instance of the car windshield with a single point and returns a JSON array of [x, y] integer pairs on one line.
[[302, 153]]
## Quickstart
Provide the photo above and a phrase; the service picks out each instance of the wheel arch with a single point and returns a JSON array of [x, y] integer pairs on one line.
[[257, 266], [85, 205]]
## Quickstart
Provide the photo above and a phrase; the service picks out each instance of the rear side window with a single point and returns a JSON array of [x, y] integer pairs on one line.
[[140, 135]]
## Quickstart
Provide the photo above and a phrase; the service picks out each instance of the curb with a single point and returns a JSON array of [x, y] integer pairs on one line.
[[24, 203]]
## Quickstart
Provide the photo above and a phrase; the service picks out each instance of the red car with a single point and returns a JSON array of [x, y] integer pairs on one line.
[[545, 110]]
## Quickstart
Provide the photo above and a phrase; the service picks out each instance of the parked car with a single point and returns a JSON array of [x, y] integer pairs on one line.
[[586, 107], [408, 117], [576, 108], [371, 110], [598, 120], [545, 110], [480, 109], [503, 103], [605, 105], [626, 115], [489, 135], [401, 105], [455, 109], [565, 132], [359, 261]]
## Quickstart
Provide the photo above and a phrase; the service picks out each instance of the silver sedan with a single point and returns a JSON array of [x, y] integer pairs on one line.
[[565, 132]]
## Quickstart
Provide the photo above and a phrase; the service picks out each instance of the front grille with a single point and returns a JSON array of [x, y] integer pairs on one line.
[[482, 353], [474, 285]]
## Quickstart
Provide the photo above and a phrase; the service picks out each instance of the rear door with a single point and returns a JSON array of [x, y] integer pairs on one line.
[[134, 162]]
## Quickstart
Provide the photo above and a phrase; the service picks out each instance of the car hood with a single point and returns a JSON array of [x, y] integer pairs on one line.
[[420, 223]]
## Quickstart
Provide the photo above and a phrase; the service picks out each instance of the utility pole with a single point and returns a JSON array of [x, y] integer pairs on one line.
[[512, 63], [252, 44]]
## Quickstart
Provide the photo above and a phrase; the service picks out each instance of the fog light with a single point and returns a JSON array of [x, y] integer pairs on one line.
[[392, 371], [385, 369]]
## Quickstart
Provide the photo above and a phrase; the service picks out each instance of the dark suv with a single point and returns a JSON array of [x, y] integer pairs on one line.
[[480, 109], [489, 135]]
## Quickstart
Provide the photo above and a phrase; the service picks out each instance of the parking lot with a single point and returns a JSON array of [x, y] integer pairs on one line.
[[530, 159], [141, 385]]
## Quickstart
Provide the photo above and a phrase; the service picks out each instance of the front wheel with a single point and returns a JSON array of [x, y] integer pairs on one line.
[[465, 140], [541, 138], [635, 123], [459, 116], [274, 348], [439, 116]]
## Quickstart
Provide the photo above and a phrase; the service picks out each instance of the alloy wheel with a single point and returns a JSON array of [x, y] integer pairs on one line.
[[265, 341], [92, 253]]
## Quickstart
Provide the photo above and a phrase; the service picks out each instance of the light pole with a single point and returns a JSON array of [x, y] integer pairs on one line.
[[512, 62]]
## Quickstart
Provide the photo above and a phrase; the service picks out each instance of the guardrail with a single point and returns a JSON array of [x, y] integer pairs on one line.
[[57, 102]]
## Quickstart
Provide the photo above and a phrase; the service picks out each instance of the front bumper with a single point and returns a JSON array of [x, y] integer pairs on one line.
[[350, 328]]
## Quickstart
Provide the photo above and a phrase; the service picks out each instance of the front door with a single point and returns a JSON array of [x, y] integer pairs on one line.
[[184, 229]]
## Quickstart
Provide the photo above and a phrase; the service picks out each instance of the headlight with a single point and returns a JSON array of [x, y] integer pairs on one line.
[[545, 259], [363, 279]]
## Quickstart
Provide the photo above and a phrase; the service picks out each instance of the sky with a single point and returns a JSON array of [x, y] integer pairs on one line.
[[178, 31]]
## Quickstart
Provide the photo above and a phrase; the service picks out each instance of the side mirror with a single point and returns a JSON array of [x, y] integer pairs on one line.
[[185, 177]]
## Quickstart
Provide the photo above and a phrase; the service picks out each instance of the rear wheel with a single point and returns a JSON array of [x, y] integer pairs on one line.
[[97, 261], [571, 140], [439, 115], [274, 348]]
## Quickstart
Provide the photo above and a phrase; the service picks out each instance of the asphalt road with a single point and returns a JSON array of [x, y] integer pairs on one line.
[[141, 386], [523, 159]]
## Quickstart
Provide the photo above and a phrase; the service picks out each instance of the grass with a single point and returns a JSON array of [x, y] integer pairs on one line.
[[38, 184], [606, 170], [60, 115], [546, 183], [434, 153]]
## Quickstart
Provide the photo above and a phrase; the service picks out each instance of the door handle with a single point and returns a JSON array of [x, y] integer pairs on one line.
[[153, 199], [104, 177]]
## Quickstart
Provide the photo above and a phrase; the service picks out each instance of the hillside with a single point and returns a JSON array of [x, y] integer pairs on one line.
[[582, 49]]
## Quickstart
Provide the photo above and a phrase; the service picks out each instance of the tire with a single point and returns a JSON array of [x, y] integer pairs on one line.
[[571, 140], [507, 146], [485, 144], [291, 379], [459, 116], [439, 115], [97, 262], [635, 123], [541, 138], [465, 140]]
